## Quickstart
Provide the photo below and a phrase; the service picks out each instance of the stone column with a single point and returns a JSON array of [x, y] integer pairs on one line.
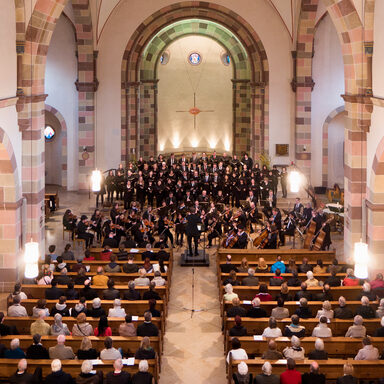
[[258, 116], [241, 116], [133, 119], [148, 118]]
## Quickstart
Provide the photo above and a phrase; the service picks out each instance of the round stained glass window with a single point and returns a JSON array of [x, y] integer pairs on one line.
[[164, 58], [49, 133], [225, 58], [194, 58]]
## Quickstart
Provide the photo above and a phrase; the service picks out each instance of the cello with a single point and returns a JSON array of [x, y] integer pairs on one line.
[[231, 239], [260, 239]]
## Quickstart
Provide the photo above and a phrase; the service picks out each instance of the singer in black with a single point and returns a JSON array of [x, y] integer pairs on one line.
[[192, 231]]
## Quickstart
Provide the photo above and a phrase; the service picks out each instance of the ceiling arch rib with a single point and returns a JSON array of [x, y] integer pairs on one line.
[[172, 32]]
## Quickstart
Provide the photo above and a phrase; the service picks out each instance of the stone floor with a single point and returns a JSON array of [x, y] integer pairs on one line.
[[193, 345]]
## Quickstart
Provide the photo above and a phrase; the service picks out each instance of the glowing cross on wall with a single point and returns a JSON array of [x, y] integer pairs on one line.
[[194, 111]]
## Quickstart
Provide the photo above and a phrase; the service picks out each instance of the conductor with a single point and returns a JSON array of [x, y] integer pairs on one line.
[[192, 231]]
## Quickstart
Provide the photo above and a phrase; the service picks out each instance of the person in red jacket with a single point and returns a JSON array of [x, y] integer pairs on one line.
[[350, 279], [291, 375]]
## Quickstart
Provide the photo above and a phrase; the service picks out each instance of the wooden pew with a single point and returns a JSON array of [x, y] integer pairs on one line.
[[248, 293], [264, 277], [337, 347], [120, 278], [23, 324], [332, 368], [38, 291], [129, 344], [339, 327], [9, 366], [270, 255]]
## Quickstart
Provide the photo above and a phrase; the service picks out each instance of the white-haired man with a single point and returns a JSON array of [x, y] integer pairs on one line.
[[118, 376], [58, 375], [88, 375], [143, 376], [21, 375], [60, 350], [266, 377], [251, 280], [313, 376]]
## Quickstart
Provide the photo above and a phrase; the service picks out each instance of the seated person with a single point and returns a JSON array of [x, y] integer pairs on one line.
[[88, 374], [304, 312], [236, 309], [159, 280], [365, 310], [272, 330], [303, 293], [100, 279], [380, 309], [81, 276], [319, 268], [58, 327], [311, 281], [263, 294], [40, 326], [14, 352], [380, 331], [322, 330], [368, 352], [6, 330], [80, 307], [251, 280], [314, 375], [279, 264], [96, 310], [276, 280], [109, 352], [16, 309], [357, 329], [367, 292], [256, 311], [82, 327], [111, 293], [116, 311], [151, 293], [37, 350], [40, 306], [343, 311], [142, 280], [238, 329], [350, 280], [88, 292], [112, 267], [284, 293], [152, 308], [147, 328], [103, 329], [280, 312], [318, 353], [295, 351], [130, 266], [132, 294], [145, 352], [305, 267], [86, 352], [237, 352], [326, 311], [60, 350], [348, 377], [232, 279], [333, 280], [294, 281], [325, 295], [229, 294], [242, 375], [127, 329], [272, 353], [61, 307], [71, 293], [294, 328], [143, 376], [378, 283], [228, 266]]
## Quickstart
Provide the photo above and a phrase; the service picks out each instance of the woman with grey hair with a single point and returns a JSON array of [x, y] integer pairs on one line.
[[96, 310], [295, 351], [350, 279], [242, 376], [143, 376], [58, 327], [311, 281], [116, 311], [272, 330], [88, 376], [357, 329], [266, 375], [318, 353], [325, 311], [365, 310], [229, 294], [380, 309]]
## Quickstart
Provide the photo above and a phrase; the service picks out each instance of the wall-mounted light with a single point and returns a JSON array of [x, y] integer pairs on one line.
[[294, 181], [96, 181], [361, 260], [31, 259]]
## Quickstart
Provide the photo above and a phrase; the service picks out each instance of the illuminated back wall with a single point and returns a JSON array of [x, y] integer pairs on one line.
[[210, 80]]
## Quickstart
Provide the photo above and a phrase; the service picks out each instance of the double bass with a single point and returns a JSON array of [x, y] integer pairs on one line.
[[318, 240], [310, 234]]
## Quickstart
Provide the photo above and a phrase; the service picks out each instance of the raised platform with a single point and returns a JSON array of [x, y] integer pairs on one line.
[[202, 260]]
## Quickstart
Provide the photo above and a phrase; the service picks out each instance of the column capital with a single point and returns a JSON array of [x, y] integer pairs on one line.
[[91, 86], [307, 83]]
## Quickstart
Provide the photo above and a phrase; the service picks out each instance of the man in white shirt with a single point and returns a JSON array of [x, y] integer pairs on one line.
[[16, 309]]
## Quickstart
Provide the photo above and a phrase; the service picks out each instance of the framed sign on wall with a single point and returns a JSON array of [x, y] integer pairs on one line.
[[282, 149]]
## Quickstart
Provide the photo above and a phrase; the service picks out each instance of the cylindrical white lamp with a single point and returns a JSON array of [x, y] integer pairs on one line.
[[96, 180], [31, 259], [361, 260], [294, 181]]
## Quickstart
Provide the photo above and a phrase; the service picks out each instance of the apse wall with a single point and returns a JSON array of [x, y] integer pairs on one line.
[[60, 77], [328, 75], [8, 76], [121, 25]]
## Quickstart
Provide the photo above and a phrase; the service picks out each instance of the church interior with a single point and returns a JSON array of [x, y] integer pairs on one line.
[[191, 191]]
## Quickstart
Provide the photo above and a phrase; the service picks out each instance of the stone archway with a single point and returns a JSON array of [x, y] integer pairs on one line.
[[257, 85], [63, 126], [327, 121], [10, 214]]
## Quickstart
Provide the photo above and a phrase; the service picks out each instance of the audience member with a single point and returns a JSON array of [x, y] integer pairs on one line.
[[109, 352], [365, 310], [303, 293], [242, 376], [380, 309], [294, 281], [305, 267], [229, 294], [262, 266], [319, 268], [326, 311], [53, 293], [304, 312], [40, 326], [343, 311], [295, 351], [145, 352], [251, 280], [118, 376], [6, 330], [16, 309], [71, 293], [263, 294], [318, 353], [325, 294], [348, 377], [100, 279], [14, 352], [276, 280], [127, 329], [63, 279], [81, 276], [272, 330], [147, 328], [68, 254], [82, 327], [18, 292], [88, 292], [142, 280], [116, 311], [60, 307], [284, 293], [368, 352], [256, 311], [291, 375], [236, 309], [380, 331], [40, 306], [111, 293], [132, 294], [311, 281], [272, 353], [58, 376], [103, 329], [294, 329], [112, 267], [237, 352], [333, 280], [350, 279], [21, 376], [80, 307], [232, 279], [86, 351], [280, 312], [143, 376], [322, 330], [367, 291], [130, 266], [96, 310], [313, 376], [378, 283], [238, 329], [151, 293], [278, 264], [58, 327], [152, 308], [228, 266], [60, 350], [158, 279], [357, 329], [266, 376], [88, 375]]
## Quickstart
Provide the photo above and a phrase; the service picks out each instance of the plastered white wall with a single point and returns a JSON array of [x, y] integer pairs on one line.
[[328, 75], [60, 77]]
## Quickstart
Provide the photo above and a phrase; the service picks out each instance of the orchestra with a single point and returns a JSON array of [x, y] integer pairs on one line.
[[224, 193]]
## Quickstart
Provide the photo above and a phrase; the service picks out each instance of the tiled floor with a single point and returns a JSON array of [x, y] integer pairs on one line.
[[193, 346]]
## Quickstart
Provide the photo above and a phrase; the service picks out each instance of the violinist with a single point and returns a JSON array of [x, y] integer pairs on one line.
[[214, 230], [219, 197], [307, 214], [269, 203], [69, 220], [242, 238], [289, 230], [253, 216], [164, 227], [96, 220], [276, 218], [82, 233], [114, 213], [180, 228], [203, 198]]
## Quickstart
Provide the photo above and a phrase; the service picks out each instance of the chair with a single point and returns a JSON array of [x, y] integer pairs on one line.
[[76, 240], [69, 233]]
